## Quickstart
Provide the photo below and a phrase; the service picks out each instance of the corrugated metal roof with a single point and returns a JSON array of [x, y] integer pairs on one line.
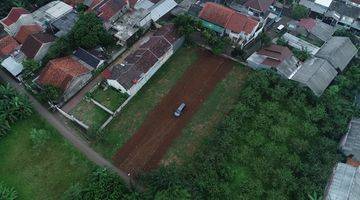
[[316, 73], [344, 183], [300, 43], [161, 8], [351, 142], [12, 66], [338, 51]]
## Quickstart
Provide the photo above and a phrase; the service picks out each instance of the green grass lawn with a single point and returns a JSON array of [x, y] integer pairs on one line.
[[90, 114], [42, 174], [133, 115], [213, 110], [110, 98]]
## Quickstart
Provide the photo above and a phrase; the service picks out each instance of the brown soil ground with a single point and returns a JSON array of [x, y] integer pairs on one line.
[[149, 144]]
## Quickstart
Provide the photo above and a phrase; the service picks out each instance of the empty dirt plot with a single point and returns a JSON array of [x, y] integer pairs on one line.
[[149, 144]]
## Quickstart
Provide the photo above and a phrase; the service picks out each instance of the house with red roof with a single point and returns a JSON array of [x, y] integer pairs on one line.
[[65, 73], [271, 57], [7, 46], [26, 30], [260, 8], [312, 28], [15, 19], [108, 10], [36, 45], [241, 28]]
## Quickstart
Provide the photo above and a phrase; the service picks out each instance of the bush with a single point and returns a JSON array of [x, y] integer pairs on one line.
[[30, 68], [7, 193], [302, 55], [49, 93]]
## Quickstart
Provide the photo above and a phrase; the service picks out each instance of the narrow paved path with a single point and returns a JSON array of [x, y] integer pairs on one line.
[[67, 132]]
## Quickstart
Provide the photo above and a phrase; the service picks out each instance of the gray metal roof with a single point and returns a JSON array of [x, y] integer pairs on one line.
[[338, 51], [351, 142], [316, 73], [288, 67], [322, 31], [344, 183], [65, 23]]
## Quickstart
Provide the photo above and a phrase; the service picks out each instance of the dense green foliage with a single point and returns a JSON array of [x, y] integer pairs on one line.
[[101, 184], [302, 55], [7, 193], [279, 142], [49, 93], [12, 108], [30, 68], [61, 47], [299, 12], [89, 32]]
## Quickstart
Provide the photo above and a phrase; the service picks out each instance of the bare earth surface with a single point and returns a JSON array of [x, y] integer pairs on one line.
[[149, 144]]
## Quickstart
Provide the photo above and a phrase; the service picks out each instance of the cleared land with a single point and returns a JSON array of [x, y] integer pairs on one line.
[[149, 144], [90, 114], [44, 173], [204, 122], [130, 119]]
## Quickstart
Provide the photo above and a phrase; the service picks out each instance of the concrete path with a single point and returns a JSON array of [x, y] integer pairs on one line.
[[67, 132]]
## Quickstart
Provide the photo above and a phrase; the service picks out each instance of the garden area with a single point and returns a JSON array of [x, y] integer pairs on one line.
[[109, 97]]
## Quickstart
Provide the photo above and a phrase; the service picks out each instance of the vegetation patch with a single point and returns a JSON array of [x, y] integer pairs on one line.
[[109, 97], [39, 165], [90, 114]]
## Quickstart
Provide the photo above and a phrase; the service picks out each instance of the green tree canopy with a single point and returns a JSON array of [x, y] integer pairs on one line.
[[299, 12]]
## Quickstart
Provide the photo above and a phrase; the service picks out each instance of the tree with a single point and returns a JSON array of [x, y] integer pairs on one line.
[[174, 193], [88, 32], [50, 93], [299, 12], [265, 40], [61, 47], [302, 55], [186, 25], [30, 67], [7, 193]]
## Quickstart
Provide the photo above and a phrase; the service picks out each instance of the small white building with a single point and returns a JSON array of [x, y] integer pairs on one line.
[[12, 66], [51, 12]]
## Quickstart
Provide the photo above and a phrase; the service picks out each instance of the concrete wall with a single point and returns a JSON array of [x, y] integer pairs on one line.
[[76, 84], [42, 51]]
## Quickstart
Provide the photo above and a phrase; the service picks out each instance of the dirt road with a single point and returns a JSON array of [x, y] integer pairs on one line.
[[148, 145]]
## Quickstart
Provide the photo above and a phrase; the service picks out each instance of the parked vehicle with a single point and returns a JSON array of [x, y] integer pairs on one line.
[[179, 110]]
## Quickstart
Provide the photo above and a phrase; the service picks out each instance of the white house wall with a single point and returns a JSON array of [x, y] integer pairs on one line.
[[42, 51]]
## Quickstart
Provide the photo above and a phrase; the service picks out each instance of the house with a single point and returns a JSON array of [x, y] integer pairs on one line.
[[65, 73], [88, 58], [317, 7], [315, 73], [12, 66], [239, 27], [344, 15], [338, 51], [142, 64], [142, 14], [63, 25], [108, 10], [15, 19], [350, 143], [259, 8], [7, 46], [50, 12], [344, 183], [26, 30], [36, 45], [315, 28], [270, 57]]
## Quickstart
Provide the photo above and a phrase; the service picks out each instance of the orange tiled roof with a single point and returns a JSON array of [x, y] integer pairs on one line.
[[7, 45], [228, 18], [27, 30], [14, 15], [59, 72]]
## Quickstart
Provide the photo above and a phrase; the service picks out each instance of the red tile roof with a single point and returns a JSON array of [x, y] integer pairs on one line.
[[34, 42], [260, 5], [14, 15], [61, 71], [228, 18], [275, 54], [7, 45], [73, 2], [307, 23], [27, 30], [169, 32], [110, 8]]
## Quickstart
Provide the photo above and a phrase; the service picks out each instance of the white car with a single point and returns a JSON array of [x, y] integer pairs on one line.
[[179, 110]]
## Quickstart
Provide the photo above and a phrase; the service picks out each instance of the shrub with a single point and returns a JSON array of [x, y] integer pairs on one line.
[[7, 193]]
